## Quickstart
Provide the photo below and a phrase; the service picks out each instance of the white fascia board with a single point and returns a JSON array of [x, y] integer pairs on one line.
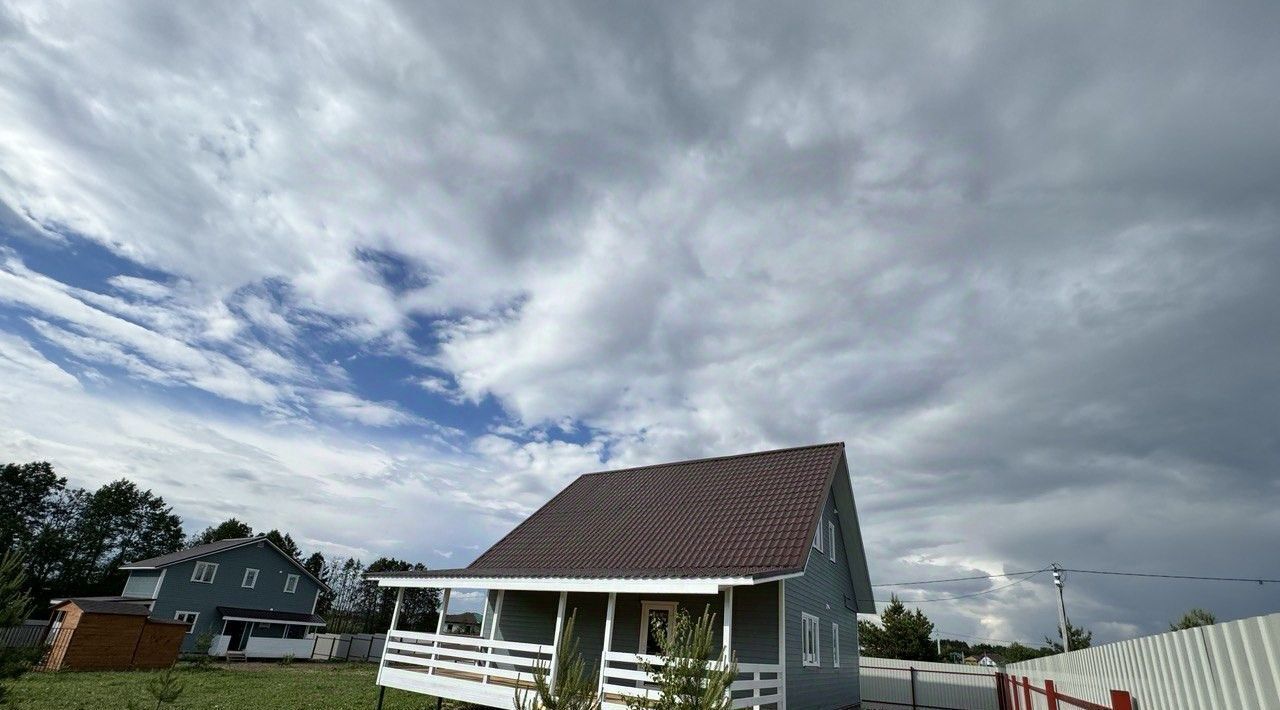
[[701, 585], [131, 567], [261, 620], [778, 577]]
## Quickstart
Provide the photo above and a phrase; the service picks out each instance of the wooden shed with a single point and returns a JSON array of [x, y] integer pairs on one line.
[[88, 634]]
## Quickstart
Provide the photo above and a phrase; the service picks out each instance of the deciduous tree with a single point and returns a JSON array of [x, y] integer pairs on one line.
[[1193, 618], [228, 529]]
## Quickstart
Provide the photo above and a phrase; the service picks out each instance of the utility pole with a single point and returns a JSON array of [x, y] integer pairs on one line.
[[1062, 608]]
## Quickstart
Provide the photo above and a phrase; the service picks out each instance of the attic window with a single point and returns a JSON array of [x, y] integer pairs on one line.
[[204, 572], [831, 541], [817, 537], [291, 584]]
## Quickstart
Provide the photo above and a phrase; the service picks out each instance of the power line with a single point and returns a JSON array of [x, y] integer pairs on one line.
[[1031, 575], [960, 579], [1174, 576]]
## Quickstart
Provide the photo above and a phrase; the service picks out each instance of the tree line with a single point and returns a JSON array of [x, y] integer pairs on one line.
[[73, 541], [908, 635]]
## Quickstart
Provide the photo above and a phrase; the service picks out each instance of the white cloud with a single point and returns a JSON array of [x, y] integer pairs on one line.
[[1013, 282]]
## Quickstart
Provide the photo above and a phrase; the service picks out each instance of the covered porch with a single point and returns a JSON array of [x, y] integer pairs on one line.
[[265, 633], [523, 627]]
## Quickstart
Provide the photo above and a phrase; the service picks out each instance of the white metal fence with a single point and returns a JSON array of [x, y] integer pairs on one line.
[[1229, 666], [889, 684]]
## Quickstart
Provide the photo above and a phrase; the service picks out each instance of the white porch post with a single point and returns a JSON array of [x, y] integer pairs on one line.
[[728, 623], [395, 611], [608, 640], [727, 634], [444, 609], [555, 640], [386, 642], [782, 644], [493, 628]]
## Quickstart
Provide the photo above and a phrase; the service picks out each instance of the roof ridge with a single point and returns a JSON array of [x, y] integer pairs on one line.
[[722, 457]]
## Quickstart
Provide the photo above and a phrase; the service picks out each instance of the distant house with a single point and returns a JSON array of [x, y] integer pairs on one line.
[[984, 658], [466, 624], [768, 541], [253, 598]]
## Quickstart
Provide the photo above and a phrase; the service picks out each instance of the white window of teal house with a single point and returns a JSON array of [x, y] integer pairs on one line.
[[204, 572], [831, 541], [250, 578], [835, 645], [811, 654], [291, 584], [817, 537], [191, 617]]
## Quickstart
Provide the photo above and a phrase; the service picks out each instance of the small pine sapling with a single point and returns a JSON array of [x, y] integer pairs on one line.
[[575, 686], [694, 674]]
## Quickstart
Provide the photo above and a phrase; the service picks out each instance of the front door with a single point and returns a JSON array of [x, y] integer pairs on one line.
[[237, 630], [657, 620]]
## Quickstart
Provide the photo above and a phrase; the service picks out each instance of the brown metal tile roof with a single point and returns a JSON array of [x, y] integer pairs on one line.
[[744, 515]]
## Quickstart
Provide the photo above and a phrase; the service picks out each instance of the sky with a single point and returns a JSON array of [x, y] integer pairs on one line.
[[389, 275]]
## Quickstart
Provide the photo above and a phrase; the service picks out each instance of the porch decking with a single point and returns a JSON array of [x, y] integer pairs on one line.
[[490, 672]]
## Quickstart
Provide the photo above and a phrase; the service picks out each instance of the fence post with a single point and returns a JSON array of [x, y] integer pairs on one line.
[[913, 688], [1121, 700], [999, 690], [1050, 694], [1013, 691], [1026, 690]]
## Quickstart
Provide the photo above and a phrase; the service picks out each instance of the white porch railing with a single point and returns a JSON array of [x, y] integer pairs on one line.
[[761, 680], [483, 671], [219, 645], [264, 647]]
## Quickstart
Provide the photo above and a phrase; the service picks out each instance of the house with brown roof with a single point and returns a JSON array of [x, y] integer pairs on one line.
[[768, 541]]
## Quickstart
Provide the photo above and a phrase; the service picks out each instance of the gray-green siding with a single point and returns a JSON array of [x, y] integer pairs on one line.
[[178, 592], [823, 591]]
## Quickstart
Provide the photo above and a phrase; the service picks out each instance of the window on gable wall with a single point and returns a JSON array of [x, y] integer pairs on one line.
[[204, 572], [291, 584], [250, 578], [817, 537], [835, 645], [811, 655], [831, 541]]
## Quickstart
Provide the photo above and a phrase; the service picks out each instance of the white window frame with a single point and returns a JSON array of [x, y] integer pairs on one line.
[[817, 536], [291, 583], [645, 608], [202, 565], [835, 645], [245, 582], [181, 615], [809, 624], [831, 541]]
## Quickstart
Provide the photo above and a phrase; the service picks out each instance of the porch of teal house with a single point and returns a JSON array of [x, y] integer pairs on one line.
[[523, 627]]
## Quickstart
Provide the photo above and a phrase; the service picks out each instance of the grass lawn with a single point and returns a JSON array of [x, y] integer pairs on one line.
[[252, 686]]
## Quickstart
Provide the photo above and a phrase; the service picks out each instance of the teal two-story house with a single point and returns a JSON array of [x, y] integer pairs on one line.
[[252, 597]]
